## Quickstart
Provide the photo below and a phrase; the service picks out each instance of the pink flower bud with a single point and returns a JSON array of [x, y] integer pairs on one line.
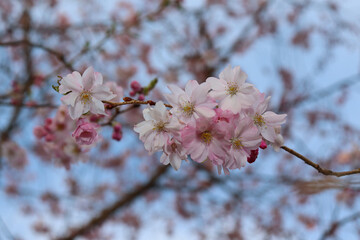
[[48, 121], [263, 145], [117, 127], [95, 117], [85, 132], [39, 132], [253, 156], [132, 93], [135, 85], [117, 136], [141, 97], [49, 137]]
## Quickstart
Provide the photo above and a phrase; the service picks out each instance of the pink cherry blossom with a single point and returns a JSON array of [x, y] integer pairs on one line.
[[85, 132], [267, 121], [204, 139], [15, 155], [39, 132], [58, 145], [174, 153], [191, 103], [158, 127], [116, 90], [231, 90], [84, 93], [242, 136]]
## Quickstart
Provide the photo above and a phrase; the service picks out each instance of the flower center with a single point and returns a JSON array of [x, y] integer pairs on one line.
[[188, 109], [206, 137], [85, 97], [259, 120], [236, 143], [232, 89], [159, 127]]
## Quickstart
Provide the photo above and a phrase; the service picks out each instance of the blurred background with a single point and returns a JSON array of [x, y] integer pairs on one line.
[[304, 53]]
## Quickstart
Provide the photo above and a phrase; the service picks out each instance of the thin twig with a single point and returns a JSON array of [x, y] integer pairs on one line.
[[149, 102], [335, 225], [318, 167], [59, 55]]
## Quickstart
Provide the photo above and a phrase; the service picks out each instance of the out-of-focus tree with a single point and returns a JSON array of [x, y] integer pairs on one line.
[[302, 52]]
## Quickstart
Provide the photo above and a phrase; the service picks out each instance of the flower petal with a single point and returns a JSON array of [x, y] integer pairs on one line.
[[70, 98], [88, 78], [200, 94], [97, 106], [273, 119], [72, 82], [190, 87], [102, 92], [205, 112], [76, 111], [175, 161]]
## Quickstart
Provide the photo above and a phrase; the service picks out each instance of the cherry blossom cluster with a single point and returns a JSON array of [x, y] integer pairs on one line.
[[56, 141], [67, 141], [223, 120]]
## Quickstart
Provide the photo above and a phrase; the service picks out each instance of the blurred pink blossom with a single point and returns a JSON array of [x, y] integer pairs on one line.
[[85, 132]]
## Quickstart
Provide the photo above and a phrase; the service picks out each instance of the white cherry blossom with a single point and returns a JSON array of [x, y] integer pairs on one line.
[[158, 127], [84, 93], [231, 90]]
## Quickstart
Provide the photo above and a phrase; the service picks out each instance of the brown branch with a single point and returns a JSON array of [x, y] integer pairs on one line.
[[27, 51], [335, 225], [318, 167], [107, 212], [59, 55], [136, 102]]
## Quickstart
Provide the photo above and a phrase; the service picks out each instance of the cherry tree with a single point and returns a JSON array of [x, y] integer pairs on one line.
[[128, 119]]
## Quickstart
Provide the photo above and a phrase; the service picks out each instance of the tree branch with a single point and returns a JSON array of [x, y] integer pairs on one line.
[[132, 101], [335, 225], [59, 55], [318, 167], [107, 212]]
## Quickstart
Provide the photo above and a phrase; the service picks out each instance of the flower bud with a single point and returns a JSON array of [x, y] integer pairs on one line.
[[117, 136], [132, 93], [135, 85], [253, 156], [263, 145], [117, 127], [141, 97], [85, 132], [49, 137], [39, 132]]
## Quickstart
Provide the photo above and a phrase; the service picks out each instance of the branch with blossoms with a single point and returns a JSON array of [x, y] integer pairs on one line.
[[223, 120]]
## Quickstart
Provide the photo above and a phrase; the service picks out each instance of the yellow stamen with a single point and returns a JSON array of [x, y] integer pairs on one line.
[[206, 137], [85, 97], [188, 109], [232, 89], [259, 120], [236, 143], [159, 127]]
